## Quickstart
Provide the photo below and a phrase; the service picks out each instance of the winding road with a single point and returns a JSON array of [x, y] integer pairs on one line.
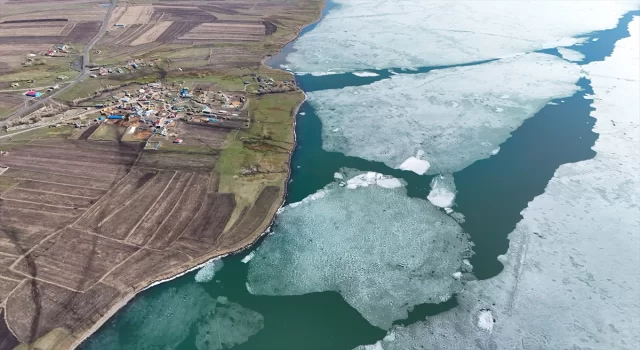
[[83, 73]]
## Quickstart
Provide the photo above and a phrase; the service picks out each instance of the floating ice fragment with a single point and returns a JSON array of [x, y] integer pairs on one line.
[[320, 74], [498, 109], [570, 55], [248, 258], [208, 271], [504, 96], [227, 325], [365, 74], [594, 39], [443, 191], [381, 266], [302, 113], [495, 151], [486, 320], [457, 275], [372, 178], [338, 176], [418, 166]]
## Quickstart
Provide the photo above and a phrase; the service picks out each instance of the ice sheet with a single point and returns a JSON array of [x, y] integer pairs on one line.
[[446, 117], [352, 242], [370, 34], [563, 286]]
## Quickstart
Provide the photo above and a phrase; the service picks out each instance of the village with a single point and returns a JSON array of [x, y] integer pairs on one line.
[[153, 112]]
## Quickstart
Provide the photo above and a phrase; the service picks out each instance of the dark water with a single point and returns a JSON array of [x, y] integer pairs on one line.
[[491, 194]]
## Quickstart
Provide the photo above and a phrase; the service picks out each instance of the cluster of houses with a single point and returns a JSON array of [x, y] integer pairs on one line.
[[154, 109]]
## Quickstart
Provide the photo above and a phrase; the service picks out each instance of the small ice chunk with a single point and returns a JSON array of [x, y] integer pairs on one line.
[[302, 113], [320, 74], [595, 39], [486, 320], [338, 176], [457, 275], [372, 178], [504, 96], [248, 258], [418, 166], [365, 74], [495, 151], [499, 110], [208, 271], [443, 191]]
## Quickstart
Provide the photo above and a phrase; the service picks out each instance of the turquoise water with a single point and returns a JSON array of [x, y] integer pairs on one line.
[[491, 194]]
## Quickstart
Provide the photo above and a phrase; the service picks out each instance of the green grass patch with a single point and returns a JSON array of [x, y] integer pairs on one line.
[[63, 131]]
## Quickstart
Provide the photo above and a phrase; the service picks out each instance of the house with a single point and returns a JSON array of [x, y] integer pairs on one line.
[[178, 141], [32, 93]]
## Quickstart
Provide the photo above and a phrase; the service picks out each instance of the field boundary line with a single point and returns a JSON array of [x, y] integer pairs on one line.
[[58, 183], [40, 211], [50, 205], [197, 213], [56, 193], [11, 279], [172, 210], [138, 193], [105, 237], [4, 303], [151, 207], [49, 282]]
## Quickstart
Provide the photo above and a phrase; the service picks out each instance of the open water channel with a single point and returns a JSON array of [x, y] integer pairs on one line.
[[222, 313]]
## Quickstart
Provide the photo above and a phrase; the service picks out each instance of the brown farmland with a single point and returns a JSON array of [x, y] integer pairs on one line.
[[89, 223]]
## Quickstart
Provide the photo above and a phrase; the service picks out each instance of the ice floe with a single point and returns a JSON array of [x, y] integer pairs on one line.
[[562, 286], [365, 74], [248, 257], [367, 34], [208, 271], [352, 242], [443, 191], [164, 320], [372, 178], [227, 325], [448, 114], [570, 55]]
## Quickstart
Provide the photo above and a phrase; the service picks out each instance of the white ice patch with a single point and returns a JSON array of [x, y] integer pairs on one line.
[[248, 257], [352, 242], [338, 176], [418, 166], [443, 191], [369, 34], [208, 271], [562, 286], [302, 113], [391, 119], [372, 178], [570, 55], [321, 74], [485, 320], [366, 74]]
